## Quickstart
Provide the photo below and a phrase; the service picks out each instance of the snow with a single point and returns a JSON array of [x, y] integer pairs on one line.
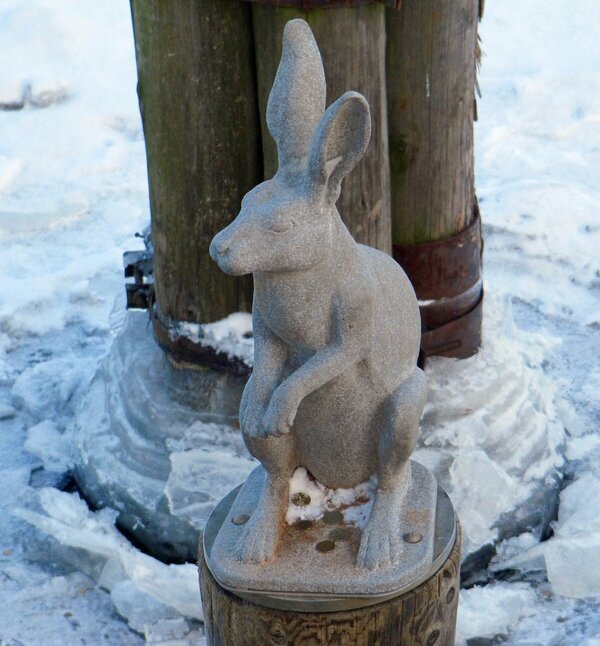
[[355, 503], [505, 606], [72, 194], [46, 442], [231, 335]]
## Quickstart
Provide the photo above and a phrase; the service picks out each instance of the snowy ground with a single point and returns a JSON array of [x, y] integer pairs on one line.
[[72, 193]]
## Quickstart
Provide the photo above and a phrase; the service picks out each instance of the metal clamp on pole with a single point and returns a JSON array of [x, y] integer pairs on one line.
[[446, 275], [139, 265]]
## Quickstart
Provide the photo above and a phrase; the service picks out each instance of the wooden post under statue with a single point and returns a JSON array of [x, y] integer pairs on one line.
[[425, 616]]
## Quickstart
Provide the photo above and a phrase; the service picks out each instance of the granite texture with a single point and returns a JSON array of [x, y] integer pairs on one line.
[[335, 386]]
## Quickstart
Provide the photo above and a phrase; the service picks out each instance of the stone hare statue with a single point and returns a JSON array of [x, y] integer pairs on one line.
[[335, 387]]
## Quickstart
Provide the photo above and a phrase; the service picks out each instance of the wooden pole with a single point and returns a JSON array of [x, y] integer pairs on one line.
[[352, 44], [200, 113], [431, 49], [431, 77], [422, 617]]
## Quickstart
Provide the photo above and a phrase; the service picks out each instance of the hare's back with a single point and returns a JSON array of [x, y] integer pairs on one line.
[[397, 322]]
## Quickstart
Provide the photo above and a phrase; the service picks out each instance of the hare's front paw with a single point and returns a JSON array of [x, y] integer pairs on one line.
[[281, 412], [251, 421]]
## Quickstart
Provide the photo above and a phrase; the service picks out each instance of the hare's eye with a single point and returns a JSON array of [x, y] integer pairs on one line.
[[281, 226]]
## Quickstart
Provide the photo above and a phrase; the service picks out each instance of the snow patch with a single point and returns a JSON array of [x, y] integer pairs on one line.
[[492, 610], [53, 448], [231, 335], [355, 503]]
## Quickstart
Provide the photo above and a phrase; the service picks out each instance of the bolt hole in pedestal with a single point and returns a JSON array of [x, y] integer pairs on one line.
[[412, 537], [240, 519]]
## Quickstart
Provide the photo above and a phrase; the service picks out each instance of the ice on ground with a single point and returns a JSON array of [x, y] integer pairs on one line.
[[47, 389], [140, 609], [355, 503], [173, 632], [197, 483], [45, 441], [231, 335], [493, 610], [66, 517], [572, 555]]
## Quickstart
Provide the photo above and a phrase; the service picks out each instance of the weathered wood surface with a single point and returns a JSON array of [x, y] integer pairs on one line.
[[422, 617], [199, 108], [352, 44], [430, 70]]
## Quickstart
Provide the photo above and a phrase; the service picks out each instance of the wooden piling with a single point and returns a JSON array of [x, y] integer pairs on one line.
[[431, 76], [431, 94], [199, 107], [352, 45]]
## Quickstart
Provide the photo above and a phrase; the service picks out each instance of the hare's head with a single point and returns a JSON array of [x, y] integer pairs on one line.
[[287, 222]]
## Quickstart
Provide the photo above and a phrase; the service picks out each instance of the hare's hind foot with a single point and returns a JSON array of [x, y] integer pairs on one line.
[[381, 544], [260, 538]]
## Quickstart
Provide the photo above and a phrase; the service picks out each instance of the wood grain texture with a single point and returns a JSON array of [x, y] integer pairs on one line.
[[430, 70], [422, 617], [352, 44], [199, 108]]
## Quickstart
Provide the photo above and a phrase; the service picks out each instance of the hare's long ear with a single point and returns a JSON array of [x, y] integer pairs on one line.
[[297, 100], [339, 142]]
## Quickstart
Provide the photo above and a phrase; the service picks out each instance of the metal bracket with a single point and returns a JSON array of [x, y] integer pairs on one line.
[[446, 275], [139, 265]]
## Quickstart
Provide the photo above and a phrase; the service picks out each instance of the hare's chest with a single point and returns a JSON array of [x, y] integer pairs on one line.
[[300, 316]]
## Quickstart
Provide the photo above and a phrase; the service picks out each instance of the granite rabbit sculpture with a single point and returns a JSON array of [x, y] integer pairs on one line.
[[335, 386]]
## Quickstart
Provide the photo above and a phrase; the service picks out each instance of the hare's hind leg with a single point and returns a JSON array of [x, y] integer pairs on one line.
[[380, 544], [262, 533]]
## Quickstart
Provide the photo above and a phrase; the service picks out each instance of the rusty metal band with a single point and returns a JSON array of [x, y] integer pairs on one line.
[[446, 275], [444, 268], [305, 5], [183, 350]]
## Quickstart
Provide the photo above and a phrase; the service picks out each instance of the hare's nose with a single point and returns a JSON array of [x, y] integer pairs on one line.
[[218, 246]]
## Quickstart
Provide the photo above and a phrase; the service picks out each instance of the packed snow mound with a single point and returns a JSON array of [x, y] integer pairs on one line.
[[492, 433]]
